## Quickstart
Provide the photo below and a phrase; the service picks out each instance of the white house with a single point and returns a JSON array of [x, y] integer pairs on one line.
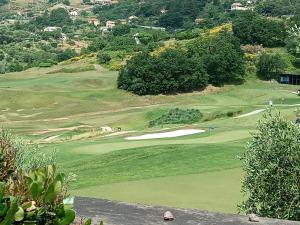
[[51, 29], [73, 13], [103, 2], [131, 18], [110, 24], [238, 6]]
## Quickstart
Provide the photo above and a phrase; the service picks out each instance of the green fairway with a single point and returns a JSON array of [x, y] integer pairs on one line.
[[215, 191], [64, 111]]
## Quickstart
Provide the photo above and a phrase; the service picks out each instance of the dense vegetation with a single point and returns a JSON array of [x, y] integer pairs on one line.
[[177, 116], [271, 164], [252, 28], [216, 59], [169, 72]]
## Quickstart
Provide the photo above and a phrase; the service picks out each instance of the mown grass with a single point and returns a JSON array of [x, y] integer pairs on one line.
[[198, 165]]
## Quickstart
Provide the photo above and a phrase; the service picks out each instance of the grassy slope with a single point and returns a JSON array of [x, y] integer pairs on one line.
[[156, 171]]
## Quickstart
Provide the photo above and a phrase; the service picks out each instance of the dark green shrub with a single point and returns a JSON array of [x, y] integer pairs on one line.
[[103, 58], [177, 116]]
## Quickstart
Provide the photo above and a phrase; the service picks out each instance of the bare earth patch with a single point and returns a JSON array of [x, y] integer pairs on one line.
[[59, 129]]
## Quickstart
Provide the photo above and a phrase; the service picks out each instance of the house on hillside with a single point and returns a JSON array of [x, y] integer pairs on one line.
[[132, 18], [238, 6], [94, 22], [110, 24], [73, 13], [103, 2], [51, 29]]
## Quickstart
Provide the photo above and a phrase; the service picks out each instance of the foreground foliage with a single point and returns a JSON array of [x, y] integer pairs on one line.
[[272, 173], [31, 192]]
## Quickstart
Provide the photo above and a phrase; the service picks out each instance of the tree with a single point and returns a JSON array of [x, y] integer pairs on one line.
[[121, 30], [66, 54], [270, 66], [169, 72], [271, 162], [222, 56], [103, 58], [59, 17], [172, 20], [252, 28]]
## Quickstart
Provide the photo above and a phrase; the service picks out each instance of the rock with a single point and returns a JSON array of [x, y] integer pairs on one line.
[[253, 218], [168, 216]]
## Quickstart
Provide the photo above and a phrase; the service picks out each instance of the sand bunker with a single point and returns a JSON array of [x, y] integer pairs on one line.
[[171, 134], [251, 113]]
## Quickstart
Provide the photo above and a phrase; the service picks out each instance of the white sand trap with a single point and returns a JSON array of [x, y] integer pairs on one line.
[[250, 113], [171, 134]]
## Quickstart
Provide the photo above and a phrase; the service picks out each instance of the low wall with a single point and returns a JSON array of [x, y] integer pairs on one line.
[[121, 213]]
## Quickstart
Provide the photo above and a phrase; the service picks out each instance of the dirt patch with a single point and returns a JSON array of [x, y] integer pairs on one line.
[[59, 129]]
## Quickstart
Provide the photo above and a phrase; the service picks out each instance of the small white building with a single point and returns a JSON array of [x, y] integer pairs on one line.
[[73, 13], [132, 18], [103, 2], [110, 24], [238, 6], [51, 29]]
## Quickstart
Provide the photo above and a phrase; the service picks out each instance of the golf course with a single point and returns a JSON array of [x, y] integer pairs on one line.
[[62, 109]]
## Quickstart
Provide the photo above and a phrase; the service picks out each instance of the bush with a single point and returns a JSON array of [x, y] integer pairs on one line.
[[178, 116], [271, 163], [270, 66], [103, 58]]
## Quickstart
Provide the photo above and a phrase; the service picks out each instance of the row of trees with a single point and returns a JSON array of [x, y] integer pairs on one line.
[[211, 59]]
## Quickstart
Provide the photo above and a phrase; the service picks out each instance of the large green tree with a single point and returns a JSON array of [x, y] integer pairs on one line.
[[272, 169], [170, 72], [270, 66], [59, 17], [222, 56]]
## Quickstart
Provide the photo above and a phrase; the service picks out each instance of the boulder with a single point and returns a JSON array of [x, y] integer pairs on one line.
[[168, 216], [253, 218]]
